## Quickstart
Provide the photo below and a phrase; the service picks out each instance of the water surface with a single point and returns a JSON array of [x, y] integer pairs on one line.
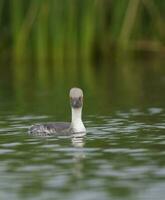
[[121, 157]]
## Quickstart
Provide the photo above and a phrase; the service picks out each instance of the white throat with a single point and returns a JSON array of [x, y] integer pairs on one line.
[[77, 124]]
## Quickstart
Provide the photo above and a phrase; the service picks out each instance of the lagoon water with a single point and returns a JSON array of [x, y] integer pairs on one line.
[[121, 157]]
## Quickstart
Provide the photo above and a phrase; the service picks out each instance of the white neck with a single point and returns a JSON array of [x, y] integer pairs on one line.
[[77, 124]]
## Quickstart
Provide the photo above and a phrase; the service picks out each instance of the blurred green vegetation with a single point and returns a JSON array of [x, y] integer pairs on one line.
[[52, 45], [60, 30]]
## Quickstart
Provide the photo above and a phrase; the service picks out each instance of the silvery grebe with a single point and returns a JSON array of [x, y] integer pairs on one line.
[[64, 128]]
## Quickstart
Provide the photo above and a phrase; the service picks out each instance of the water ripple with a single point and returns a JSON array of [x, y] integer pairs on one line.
[[123, 151]]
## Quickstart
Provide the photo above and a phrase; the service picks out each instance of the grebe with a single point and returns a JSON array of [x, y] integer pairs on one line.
[[64, 128]]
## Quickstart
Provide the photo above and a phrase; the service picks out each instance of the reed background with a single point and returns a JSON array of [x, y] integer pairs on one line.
[[74, 29], [76, 42]]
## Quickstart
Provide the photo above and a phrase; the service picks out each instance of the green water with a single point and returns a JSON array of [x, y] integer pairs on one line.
[[121, 157]]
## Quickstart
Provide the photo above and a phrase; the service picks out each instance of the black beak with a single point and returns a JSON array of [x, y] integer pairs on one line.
[[76, 102]]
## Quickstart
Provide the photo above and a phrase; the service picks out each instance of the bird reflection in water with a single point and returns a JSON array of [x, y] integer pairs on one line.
[[78, 139]]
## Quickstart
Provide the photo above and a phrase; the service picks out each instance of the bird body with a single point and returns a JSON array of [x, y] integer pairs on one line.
[[64, 128]]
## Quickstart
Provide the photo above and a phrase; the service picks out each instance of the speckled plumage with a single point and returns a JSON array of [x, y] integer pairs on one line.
[[47, 129]]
